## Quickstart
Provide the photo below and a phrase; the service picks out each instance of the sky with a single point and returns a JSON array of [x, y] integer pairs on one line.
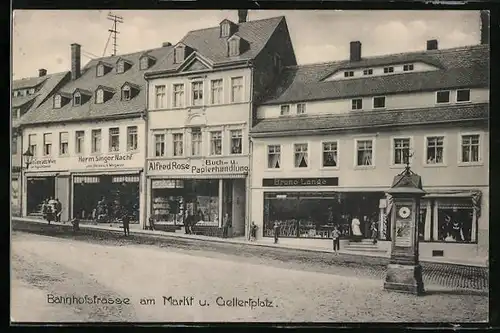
[[42, 38]]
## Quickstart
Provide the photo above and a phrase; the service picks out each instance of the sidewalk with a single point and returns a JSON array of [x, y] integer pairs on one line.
[[263, 242]]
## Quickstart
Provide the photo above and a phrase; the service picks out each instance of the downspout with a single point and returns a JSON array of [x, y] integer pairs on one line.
[[250, 159], [146, 155]]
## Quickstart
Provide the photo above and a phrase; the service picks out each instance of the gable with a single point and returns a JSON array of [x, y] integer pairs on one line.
[[196, 65]]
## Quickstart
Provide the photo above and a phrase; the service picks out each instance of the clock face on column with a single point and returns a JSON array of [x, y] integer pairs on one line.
[[404, 212]]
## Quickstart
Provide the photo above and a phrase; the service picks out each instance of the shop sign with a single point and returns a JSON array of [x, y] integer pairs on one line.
[[41, 164], [105, 161], [403, 233], [207, 166], [92, 162], [289, 182]]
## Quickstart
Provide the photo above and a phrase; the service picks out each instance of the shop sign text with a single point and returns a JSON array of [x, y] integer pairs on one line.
[[105, 161], [199, 167], [287, 182], [42, 164]]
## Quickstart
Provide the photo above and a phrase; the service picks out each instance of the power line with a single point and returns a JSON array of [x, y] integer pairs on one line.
[[93, 55], [106, 46], [116, 19]]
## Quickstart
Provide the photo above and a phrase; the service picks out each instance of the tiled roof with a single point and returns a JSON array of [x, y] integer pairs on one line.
[[209, 44], [458, 67], [89, 81], [370, 119], [21, 100], [29, 82]]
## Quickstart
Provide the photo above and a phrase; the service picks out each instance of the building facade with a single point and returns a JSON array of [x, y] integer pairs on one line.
[[88, 140], [330, 138], [200, 105]]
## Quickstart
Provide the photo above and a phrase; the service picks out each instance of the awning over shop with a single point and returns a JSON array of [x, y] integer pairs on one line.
[[41, 174], [218, 176]]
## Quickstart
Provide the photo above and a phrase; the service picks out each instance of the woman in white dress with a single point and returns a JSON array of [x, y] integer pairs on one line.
[[356, 231]]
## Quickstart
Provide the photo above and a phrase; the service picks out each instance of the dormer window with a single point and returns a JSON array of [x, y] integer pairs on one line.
[[103, 94], [234, 46], [77, 99], [99, 96], [31, 91], [103, 68], [129, 91], [388, 70], [179, 54], [100, 70], [368, 71], [57, 101], [81, 96], [126, 93], [144, 64], [225, 29], [121, 67]]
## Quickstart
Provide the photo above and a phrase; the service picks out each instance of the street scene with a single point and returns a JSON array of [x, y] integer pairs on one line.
[[250, 166]]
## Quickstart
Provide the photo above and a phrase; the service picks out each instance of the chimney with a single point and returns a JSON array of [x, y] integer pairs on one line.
[[355, 51], [75, 61], [242, 15], [165, 44], [42, 72], [432, 44], [485, 27]]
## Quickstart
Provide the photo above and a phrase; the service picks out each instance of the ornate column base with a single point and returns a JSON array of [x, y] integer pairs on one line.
[[404, 279]]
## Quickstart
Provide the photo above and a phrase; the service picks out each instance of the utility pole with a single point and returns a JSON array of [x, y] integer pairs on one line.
[[116, 19]]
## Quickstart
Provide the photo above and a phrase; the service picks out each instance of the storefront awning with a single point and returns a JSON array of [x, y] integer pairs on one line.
[[106, 172], [40, 174], [218, 176], [458, 194]]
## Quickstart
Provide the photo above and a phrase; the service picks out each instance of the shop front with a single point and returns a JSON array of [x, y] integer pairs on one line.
[[207, 194]]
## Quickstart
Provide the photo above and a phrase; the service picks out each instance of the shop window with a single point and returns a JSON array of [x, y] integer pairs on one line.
[[301, 108], [32, 144], [178, 139], [301, 155], [114, 139], [425, 219], [196, 141], [216, 90], [160, 97], [216, 143], [330, 154], [79, 141], [463, 95], [435, 150], [197, 93], [178, 95], [131, 138], [274, 157], [456, 221], [96, 141], [159, 140], [47, 144], [236, 141], [401, 151], [470, 148], [443, 97], [364, 152], [63, 143], [236, 89], [285, 110]]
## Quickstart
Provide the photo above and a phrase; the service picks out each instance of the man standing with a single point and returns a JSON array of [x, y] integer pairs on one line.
[[126, 223], [276, 230], [226, 223], [58, 206]]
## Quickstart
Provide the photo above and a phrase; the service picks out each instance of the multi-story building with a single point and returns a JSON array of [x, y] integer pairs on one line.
[[200, 104], [88, 139], [330, 138], [27, 94]]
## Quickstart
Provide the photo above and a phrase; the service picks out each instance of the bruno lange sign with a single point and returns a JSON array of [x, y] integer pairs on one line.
[[206, 166], [288, 182], [103, 161]]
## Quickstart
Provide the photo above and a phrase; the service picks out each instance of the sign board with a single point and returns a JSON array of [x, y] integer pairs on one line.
[[289, 182], [199, 166], [403, 233], [106, 161]]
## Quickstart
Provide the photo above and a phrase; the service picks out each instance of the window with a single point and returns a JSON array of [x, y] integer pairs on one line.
[[197, 93], [470, 148], [408, 67], [456, 221], [32, 144], [357, 104], [364, 152], [178, 55], [196, 141], [285, 110], [301, 157], [131, 138], [114, 139], [368, 71], [330, 154], [401, 151], [159, 140], [63, 143], [463, 95], [237, 89], [126, 93], [234, 47], [178, 95], [277, 62], [57, 101], [79, 141], [435, 148], [236, 141], [96, 141], [301, 108], [216, 143], [225, 30], [16, 113], [379, 102], [144, 64], [443, 97], [32, 91], [47, 144], [349, 74], [388, 70], [178, 144], [274, 157], [216, 89], [160, 96], [99, 97], [77, 99], [100, 70], [14, 145], [121, 67]]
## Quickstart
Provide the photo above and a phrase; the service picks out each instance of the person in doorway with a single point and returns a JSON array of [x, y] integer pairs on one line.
[[126, 223], [58, 206], [374, 231], [187, 223], [49, 211], [355, 226], [253, 232], [336, 239], [226, 223], [44, 209], [276, 230]]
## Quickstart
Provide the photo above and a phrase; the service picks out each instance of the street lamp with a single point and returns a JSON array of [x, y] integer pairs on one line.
[[27, 158]]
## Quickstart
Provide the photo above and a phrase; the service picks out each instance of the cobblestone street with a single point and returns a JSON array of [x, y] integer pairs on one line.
[[300, 290]]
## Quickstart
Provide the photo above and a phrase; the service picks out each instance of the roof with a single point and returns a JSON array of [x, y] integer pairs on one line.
[[457, 67], [209, 44], [364, 119], [89, 81], [19, 101], [28, 82]]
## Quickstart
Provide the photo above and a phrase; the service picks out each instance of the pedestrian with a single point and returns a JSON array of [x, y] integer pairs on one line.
[[253, 232], [58, 210], [226, 222], [336, 239], [126, 223], [374, 232], [276, 232], [44, 209], [49, 211], [152, 223]]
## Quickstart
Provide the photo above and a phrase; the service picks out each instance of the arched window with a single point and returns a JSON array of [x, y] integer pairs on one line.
[[99, 97], [100, 70], [144, 63], [57, 101], [126, 93]]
